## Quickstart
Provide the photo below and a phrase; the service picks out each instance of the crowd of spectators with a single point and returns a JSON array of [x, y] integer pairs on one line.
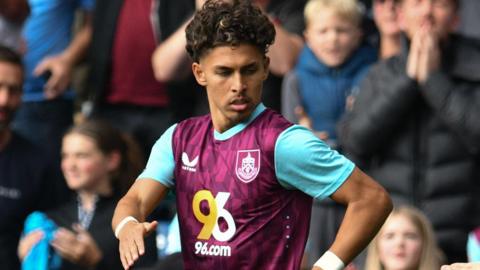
[[392, 84]]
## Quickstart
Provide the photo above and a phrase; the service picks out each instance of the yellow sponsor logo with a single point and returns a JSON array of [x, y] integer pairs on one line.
[[216, 211]]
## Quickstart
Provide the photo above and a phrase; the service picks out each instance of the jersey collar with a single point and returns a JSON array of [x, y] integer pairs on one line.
[[227, 134]]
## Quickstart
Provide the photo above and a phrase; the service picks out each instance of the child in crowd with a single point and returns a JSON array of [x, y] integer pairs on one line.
[[331, 64], [98, 164], [405, 242]]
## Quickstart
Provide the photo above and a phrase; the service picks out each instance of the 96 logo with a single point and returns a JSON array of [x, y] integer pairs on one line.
[[210, 223]]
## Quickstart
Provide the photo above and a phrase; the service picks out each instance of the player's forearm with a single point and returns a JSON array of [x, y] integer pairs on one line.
[[363, 219], [127, 206], [140, 200]]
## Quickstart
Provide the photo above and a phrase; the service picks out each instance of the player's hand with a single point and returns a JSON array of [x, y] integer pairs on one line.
[[60, 70], [77, 247], [132, 245], [461, 266], [28, 242]]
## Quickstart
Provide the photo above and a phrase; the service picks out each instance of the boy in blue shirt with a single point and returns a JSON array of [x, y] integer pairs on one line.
[[331, 64]]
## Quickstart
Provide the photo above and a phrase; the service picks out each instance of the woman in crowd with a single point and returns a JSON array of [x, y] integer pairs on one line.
[[99, 164], [405, 242]]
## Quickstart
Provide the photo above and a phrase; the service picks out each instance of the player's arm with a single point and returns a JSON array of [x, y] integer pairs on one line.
[[139, 202], [321, 172], [368, 205]]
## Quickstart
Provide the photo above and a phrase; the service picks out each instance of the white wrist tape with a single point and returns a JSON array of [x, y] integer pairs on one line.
[[330, 261], [122, 224]]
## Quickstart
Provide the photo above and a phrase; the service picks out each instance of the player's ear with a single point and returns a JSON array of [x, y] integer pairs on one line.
[[199, 74], [266, 66]]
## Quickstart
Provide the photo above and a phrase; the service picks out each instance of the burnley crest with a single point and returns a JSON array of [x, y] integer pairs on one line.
[[247, 165]]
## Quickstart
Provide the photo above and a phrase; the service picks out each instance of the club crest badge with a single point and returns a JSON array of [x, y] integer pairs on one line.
[[247, 165]]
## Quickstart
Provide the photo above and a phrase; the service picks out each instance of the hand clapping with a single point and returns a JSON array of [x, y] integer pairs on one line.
[[424, 55]]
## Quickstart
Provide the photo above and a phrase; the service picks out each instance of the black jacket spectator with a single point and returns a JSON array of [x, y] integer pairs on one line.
[[422, 143]]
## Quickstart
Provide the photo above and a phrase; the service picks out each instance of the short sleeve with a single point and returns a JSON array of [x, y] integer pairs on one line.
[[304, 162], [161, 164], [473, 246]]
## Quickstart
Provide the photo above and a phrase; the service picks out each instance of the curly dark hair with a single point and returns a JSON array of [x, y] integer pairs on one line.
[[221, 23]]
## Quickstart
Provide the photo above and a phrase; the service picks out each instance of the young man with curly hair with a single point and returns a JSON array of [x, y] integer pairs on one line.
[[243, 199]]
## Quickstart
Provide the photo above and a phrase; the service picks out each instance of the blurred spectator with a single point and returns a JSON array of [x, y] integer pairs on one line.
[[287, 17], [331, 64], [385, 16], [405, 242], [381, 21], [122, 84], [50, 55], [26, 177], [288, 20], [99, 165], [12, 15], [414, 124]]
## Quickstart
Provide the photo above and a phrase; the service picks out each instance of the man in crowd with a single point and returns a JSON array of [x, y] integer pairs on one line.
[[414, 123], [26, 177]]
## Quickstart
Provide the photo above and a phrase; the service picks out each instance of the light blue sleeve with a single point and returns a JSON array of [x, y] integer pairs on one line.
[[473, 248], [161, 164], [304, 162], [173, 238]]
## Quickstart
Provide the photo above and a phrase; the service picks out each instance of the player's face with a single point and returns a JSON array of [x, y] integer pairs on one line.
[[331, 37], [399, 244], [233, 77], [84, 166], [438, 15], [10, 92]]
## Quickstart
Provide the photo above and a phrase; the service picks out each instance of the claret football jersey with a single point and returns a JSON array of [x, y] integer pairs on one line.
[[244, 196]]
